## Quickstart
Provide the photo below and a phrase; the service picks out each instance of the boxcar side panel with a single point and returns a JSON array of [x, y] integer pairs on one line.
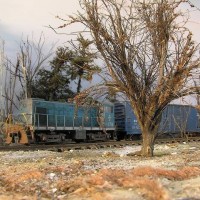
[[176, 119], [193, 125], [132, 126]]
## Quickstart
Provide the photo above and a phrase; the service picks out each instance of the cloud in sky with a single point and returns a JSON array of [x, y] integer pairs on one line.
[[10, 39], [26, 17], [5, 32], [22, 18], [34, 14]]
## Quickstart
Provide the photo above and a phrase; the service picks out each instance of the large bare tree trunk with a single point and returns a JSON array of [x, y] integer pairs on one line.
[[148, 140], [148, 116]]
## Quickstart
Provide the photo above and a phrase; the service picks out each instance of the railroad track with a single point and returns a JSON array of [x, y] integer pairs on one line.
[[93, 145]]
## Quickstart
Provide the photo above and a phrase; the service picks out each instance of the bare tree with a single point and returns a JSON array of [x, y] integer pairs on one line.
[[22, 71], [10, 79], [2, 77], [148, 52], [32, 58]]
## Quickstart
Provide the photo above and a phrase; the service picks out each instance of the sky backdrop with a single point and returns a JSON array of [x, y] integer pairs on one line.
[[22, 18]]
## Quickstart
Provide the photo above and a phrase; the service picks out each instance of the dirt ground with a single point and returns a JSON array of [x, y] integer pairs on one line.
[[102, 174]]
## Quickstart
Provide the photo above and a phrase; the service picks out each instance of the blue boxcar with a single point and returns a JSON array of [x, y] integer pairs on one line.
[[53, 121], [176, 119], [180, 119]]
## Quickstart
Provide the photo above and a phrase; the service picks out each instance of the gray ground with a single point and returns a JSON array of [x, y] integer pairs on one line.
[[112, 173]]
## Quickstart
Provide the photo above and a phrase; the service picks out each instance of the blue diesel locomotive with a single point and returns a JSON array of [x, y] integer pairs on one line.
[[176, 121], [50, 121]]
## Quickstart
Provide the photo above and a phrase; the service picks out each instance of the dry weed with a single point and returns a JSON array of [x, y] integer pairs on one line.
[[14, 181], [184, 173], [151, 189], [139, 178]]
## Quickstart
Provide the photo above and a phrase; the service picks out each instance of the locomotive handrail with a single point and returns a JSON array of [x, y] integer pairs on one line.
[[51, 121], [63, 121]]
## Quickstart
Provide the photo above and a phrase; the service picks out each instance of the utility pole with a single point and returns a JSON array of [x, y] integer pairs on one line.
[[2, 80]]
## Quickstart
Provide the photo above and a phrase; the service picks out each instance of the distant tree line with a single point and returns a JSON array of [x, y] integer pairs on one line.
[[68, 65]]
